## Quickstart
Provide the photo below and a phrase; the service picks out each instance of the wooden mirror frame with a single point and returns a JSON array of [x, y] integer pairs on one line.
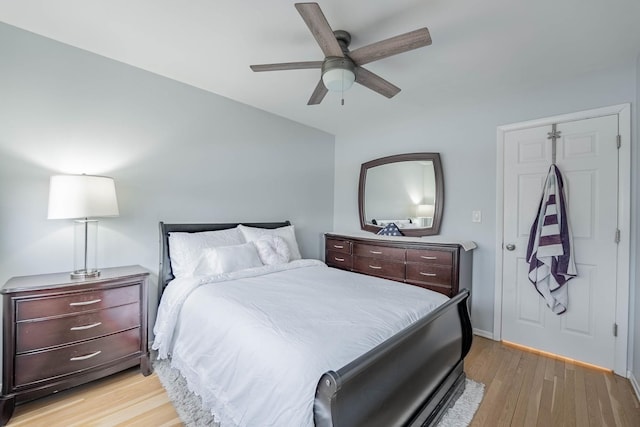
[[439, 203]]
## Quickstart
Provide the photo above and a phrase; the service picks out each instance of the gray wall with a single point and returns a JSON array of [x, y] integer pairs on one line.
[[177, 154], [635, 251], [465, 136]]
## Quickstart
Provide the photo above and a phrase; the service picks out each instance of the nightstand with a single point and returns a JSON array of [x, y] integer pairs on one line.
[[60, 332]]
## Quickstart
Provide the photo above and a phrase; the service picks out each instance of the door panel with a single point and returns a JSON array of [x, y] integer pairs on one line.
[[587, 156], [530, 307], [582, 184], [579, 320], [528, 184]]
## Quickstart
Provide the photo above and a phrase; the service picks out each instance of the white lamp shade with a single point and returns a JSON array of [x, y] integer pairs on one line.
[[338, 79], [82, 196], [425, 211]]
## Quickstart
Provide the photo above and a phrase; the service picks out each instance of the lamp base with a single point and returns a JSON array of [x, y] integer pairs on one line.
[[83, 274], [425, 222]]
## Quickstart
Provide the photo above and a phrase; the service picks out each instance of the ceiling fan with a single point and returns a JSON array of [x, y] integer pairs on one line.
[[341, 67]]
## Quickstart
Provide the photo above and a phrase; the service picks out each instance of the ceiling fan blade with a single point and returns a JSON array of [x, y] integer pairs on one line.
[[320, 28], [318, 94], [287, 66], [375, 83], [392, 46]]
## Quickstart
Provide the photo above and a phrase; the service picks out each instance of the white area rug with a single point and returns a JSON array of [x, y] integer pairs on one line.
[[189, 406], [461, 413]]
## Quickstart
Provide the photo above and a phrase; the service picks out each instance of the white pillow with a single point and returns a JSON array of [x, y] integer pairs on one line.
[[251, 234], [227, 259], [185, 249], [273, 250]]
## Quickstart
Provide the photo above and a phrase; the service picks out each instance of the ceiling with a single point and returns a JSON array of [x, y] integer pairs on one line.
[[479, 49]]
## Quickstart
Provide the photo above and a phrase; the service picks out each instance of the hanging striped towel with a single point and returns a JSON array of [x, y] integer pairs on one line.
[[549, 253]]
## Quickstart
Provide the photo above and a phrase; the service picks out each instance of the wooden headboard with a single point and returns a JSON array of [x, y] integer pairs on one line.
[[165, 275]]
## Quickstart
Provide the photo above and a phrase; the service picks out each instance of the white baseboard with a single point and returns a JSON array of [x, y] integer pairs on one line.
[[634, 383], [484, 334]]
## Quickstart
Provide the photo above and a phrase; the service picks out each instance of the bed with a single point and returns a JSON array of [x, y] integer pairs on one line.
[[406, 374]]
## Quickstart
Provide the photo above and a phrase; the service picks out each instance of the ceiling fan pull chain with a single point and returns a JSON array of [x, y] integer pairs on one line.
[[342, 101]]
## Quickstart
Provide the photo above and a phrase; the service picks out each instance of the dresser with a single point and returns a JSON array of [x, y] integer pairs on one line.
[[441, 267], [60, 332]]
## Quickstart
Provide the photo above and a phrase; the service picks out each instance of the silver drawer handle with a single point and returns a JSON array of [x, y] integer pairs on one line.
[[376, 252], [338, 259], [82, 328], [375, 267], [93, 301], [338, 246], [428, 257], [428, 274], [88, 356]]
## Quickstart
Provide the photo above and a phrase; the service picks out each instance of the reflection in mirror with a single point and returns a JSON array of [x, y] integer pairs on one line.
[[407, 190], [403, 190]]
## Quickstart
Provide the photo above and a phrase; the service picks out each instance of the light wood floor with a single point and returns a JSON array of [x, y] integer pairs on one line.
[[527, 389], [521, 389]]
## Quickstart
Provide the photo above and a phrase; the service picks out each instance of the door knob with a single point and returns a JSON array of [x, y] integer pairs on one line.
[[510, 246]]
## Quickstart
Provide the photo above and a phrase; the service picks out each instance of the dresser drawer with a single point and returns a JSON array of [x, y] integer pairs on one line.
[[374, 251], [40, 334], [42, 307], [339, 260], [72, 359], [444, 290], [429, 256], [336, 245], [428, 273], [381, 268]]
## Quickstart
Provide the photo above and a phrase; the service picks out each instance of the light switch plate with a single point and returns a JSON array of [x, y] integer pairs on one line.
[[476, 216]]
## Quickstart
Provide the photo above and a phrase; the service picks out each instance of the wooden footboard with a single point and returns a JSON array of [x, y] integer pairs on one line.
[[407, 380]]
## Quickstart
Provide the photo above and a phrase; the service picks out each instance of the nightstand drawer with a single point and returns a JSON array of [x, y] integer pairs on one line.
[[335, 245], [339, 260], [43, 307], [429, 256], [72, 359], [376, 267], [379, 252], [41, 334]]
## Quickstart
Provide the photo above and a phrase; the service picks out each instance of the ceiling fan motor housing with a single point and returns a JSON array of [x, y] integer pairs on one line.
[[344, 39]]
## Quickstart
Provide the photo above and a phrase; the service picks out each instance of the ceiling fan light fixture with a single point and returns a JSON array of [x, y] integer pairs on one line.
[[338, 74]]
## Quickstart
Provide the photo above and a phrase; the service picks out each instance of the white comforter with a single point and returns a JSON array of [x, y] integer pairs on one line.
[[253, 344]]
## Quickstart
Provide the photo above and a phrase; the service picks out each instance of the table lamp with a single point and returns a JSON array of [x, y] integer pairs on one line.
[[425, 213], [83, 198]]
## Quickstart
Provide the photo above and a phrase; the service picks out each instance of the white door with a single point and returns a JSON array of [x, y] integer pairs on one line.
[[587, 156]]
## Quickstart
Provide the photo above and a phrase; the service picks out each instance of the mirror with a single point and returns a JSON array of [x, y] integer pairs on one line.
[[406, 189]]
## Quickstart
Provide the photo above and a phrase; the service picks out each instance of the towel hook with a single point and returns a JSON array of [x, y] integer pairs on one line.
[[553, 135]]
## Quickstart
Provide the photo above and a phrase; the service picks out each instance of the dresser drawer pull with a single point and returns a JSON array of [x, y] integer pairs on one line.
[[428, 257], [85, 357], [376, 252], [428, 274], [375, 267], [338, 246], [338, 259], [93, 301], [82, 328]]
